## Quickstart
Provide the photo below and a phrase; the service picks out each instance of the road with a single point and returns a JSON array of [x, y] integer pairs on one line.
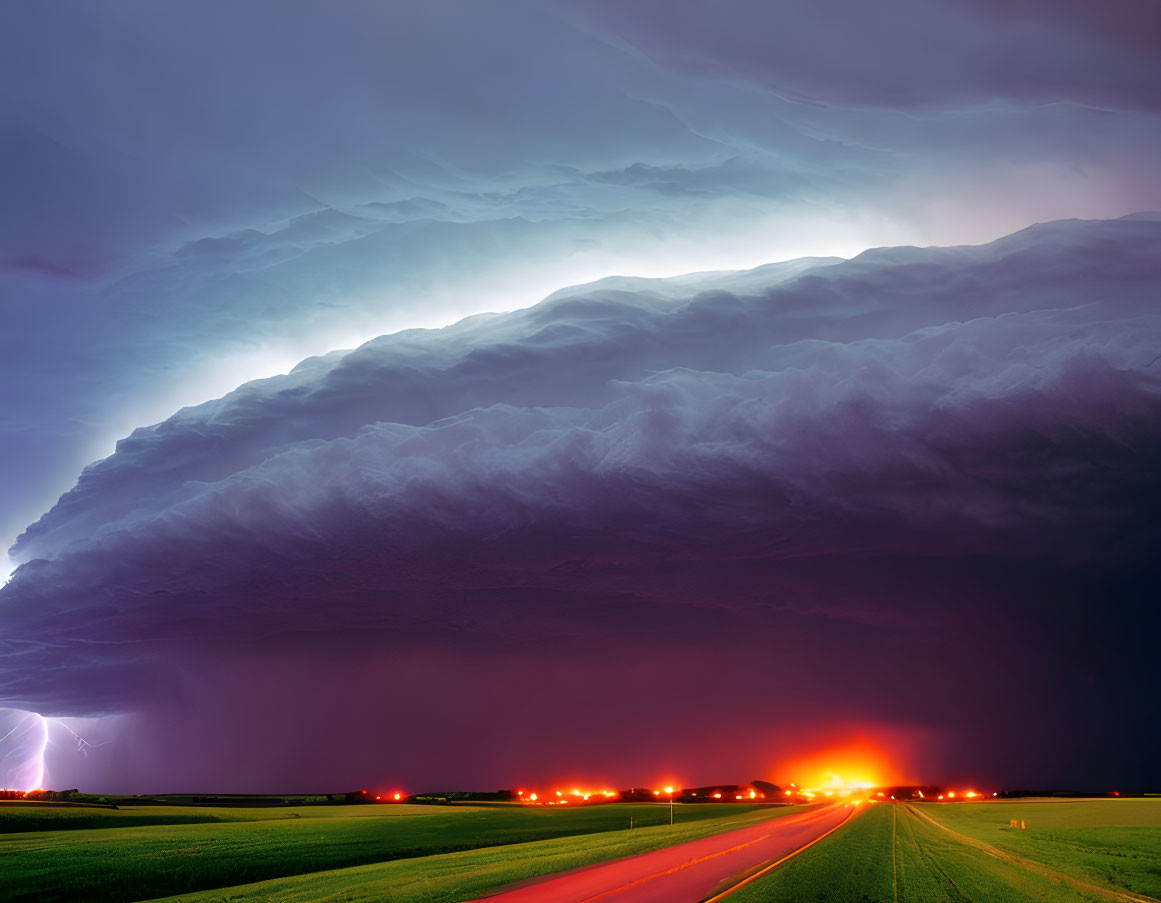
[[688, 872]]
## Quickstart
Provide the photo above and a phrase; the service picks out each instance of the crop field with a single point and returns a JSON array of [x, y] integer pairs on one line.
[[22, 817], [1069, 851], [1108, 842], [463, 876], [139, 855]]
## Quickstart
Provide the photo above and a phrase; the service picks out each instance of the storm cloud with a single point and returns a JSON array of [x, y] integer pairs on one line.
[[927, 468], [200, 194]]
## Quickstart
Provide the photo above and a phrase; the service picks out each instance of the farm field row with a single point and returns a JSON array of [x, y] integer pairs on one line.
[[143, 861], [1092, 850], [1068, 851]]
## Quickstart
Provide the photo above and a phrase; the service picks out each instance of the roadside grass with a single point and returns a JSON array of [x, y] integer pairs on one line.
[[1107, 841], [889, 854], [454, 877], [50, 817], [142, 862]]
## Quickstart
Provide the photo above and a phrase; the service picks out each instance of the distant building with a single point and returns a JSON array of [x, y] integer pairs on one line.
[[730, 793]]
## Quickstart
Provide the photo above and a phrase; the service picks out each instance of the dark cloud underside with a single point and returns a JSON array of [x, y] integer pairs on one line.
[[917, 488]]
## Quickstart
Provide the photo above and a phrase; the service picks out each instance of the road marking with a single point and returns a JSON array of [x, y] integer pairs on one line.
[[676, 868], [734, 823], [774, 865]]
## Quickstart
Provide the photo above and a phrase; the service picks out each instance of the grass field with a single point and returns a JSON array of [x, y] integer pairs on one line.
[[1082, 851], [463, 876], [1070, 851], [1108, 841], [123, 859], [21, 818]]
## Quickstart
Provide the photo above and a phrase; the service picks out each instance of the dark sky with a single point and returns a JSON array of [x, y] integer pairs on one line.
[[687, 529]]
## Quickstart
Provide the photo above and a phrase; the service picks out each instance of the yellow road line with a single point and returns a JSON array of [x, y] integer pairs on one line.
[[774, 865], [676, 868]]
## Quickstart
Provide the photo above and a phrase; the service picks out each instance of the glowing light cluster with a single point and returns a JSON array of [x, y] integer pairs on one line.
[[961, 795], [565, 797]]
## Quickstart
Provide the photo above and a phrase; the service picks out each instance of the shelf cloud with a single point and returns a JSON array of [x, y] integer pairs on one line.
[[906, 458]]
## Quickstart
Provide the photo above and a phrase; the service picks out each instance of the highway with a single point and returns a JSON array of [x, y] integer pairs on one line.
[[689, 872]]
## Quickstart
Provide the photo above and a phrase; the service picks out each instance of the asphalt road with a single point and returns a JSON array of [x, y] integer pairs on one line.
[[686, 873]]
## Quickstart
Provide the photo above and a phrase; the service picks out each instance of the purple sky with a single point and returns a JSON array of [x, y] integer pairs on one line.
[[689, 526]]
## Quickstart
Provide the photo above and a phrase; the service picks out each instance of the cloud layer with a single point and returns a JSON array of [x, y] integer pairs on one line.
[[194, 197], [900, 484]]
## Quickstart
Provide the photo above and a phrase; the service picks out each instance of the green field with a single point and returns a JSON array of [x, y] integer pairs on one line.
[[1071, 851], [463, 876], [20, 817], [123, 859], [1108, 842]]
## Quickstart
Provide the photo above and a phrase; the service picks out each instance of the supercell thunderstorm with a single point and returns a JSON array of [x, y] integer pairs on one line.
[[934, 464]]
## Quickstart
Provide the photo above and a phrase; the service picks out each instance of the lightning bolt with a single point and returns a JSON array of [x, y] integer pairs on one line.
[[83, 745], [22, 750]]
